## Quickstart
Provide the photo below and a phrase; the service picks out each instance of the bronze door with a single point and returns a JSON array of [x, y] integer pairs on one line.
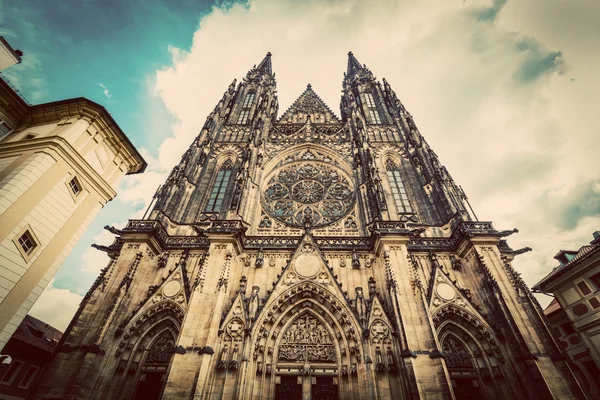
[[288, 389], [324, 389]]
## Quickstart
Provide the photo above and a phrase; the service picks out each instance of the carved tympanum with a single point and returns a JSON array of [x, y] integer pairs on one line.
[[456, 354], [307, 339]]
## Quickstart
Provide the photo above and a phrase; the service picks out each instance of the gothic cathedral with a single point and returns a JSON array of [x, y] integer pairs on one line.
[[309, 256]]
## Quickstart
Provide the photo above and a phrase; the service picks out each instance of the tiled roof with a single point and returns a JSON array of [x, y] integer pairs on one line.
[[552, 307], [37, 333], [583, 252]]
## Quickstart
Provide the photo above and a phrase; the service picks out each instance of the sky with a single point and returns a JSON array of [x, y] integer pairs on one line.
[[505, 92]]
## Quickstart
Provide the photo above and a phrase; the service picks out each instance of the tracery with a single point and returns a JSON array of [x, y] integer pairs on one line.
[[308, 191]]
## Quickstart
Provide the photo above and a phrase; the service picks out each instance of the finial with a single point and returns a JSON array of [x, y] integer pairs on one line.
[[269, 54], [309, 86], [350, 53]]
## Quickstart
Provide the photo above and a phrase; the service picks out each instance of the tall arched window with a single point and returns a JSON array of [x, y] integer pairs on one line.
[[373, 113], [217, 194], [245, 111], [398, 190]]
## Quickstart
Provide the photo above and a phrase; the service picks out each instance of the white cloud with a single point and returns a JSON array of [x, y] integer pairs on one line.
[[105, 90], [56, 306], [490, 88]]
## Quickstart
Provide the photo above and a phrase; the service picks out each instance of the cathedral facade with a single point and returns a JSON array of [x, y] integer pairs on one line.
[[309, 256]]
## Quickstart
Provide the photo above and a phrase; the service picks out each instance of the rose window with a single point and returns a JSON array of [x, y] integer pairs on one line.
[[311, 193]]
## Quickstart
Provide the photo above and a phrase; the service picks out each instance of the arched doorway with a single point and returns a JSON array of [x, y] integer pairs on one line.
[[462, 371], [307, 343], [154, 369]]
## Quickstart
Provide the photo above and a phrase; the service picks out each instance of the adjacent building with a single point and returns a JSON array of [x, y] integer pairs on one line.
[[575, 311], [30, 349], [60, 162], [307, 255], [8, 55]]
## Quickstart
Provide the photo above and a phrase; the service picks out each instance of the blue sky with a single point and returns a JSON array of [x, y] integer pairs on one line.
[[506, 92], [72, 47]]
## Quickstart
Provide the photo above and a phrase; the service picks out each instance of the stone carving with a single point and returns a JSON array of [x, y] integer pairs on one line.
[[355, 259], [380, 332], [456, 354], [308, 192], [361, 307], [253, 304], [162, 260], [161, 349], [260, 259], [307, 339], [235, 330]]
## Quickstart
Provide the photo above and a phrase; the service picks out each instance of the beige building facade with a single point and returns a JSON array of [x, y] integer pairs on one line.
[[309, 256], [60, 163], [8, 55], [575, 310]]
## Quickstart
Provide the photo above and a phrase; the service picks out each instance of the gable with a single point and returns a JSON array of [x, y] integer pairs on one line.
[[309, 104]]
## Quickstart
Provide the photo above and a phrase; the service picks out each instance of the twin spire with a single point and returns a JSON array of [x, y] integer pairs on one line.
[[353, 65], [308, 106], [265, 65]]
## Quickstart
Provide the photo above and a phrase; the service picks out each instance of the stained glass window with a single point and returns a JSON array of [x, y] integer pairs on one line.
[[245, 111], [372, 111], [398, 190], [217, 194]]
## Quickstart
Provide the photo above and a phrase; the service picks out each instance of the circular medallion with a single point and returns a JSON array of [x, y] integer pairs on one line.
[[445, 291], [171, 288], [308, 192], [307, 265]]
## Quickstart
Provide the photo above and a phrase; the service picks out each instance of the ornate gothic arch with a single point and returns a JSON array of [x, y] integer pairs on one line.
[[484, 350], [335, 156], [307, 298], [163, 314]]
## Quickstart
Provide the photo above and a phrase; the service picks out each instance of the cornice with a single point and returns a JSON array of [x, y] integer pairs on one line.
[[383, 232], [64, 149], [80, 107]]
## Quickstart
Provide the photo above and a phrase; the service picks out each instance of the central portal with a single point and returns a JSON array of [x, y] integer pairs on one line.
[[305, 387]]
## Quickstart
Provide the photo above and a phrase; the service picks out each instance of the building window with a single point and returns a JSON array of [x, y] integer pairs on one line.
[[370, 101], [11, 372], [372, 111], [75, 186], [248, 100], [4, 129], [243, 118], [29, 377], [398, 190], [595, 280], [584, 288], [217, 194], [374, 116], [245, 111], [567, 328], [26, 243]]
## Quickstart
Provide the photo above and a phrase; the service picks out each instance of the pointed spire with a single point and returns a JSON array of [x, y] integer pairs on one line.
[[265, 64], [353, 64]]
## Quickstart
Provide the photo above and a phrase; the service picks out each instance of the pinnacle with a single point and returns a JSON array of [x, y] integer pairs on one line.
[[353, 65], [265, 64]]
